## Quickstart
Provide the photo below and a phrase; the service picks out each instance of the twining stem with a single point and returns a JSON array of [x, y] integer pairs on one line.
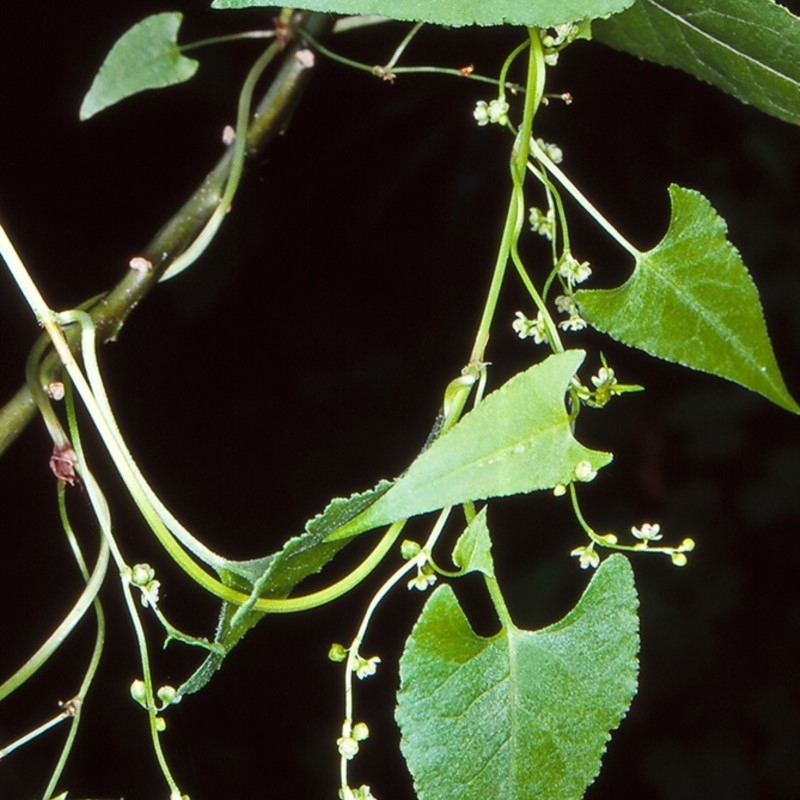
[[385, 71], [99, 410], [112, 310], [229, 37], [402, 47], [75, 706], [534, 91], [209, 231]]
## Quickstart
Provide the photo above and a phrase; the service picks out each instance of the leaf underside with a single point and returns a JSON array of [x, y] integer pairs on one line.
[[524, 714], [748, 48], [145, 57], [531, 13], [691, 300]]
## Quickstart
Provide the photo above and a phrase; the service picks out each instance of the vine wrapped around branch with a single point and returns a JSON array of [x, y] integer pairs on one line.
[[110, 310]]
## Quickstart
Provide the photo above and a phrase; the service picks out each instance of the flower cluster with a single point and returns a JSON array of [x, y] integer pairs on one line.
[[143, 577], [348, 742], [558, 37], [651, 532], [646, 533], [606, 386], [495, 112]]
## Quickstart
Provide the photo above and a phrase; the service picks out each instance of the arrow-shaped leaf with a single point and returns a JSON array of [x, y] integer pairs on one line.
[[691, 300], [518, 440], [524, 714], [145, 57]]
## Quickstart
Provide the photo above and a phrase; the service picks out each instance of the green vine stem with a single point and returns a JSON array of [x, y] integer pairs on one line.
[[57, 637], [75, 706], [351, 663], [112, 310], [581, 198], [515, 216]]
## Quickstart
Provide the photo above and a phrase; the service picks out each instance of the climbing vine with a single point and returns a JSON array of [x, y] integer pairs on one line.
[[521, 713]]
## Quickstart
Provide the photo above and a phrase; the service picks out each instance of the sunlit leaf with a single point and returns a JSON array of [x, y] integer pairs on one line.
[[748, 48], [522, 715], [145, 57], [691, 300], [518, 440], [541, 13]]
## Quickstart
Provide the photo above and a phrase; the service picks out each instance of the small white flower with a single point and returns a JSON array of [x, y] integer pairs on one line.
[[648, 532], [348, 747], [587, 556], [605, 377], [365, 667], [360, 731], [584, 471], [552, 151], [498, 111], [575, 323], [565, 32], [543, 224], [422, 580], [530, 328], [565, 304], [141, 574], [481, 113], [574, 271]]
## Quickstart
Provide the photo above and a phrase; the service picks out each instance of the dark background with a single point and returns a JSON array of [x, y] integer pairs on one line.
[[306, 356]]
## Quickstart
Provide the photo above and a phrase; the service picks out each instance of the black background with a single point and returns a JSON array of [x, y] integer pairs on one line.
[[306, 355]]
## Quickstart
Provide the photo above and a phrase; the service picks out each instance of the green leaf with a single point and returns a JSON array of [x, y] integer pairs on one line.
[[531, 13], [145, 57], [276, 576], [691, 300], [518, 440], [523, 714], [473, 550], [341, 510], [748, 48]]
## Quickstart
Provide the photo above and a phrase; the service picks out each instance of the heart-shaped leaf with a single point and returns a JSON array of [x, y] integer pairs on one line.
[[691, 300], [523, 714], [145, 57]]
